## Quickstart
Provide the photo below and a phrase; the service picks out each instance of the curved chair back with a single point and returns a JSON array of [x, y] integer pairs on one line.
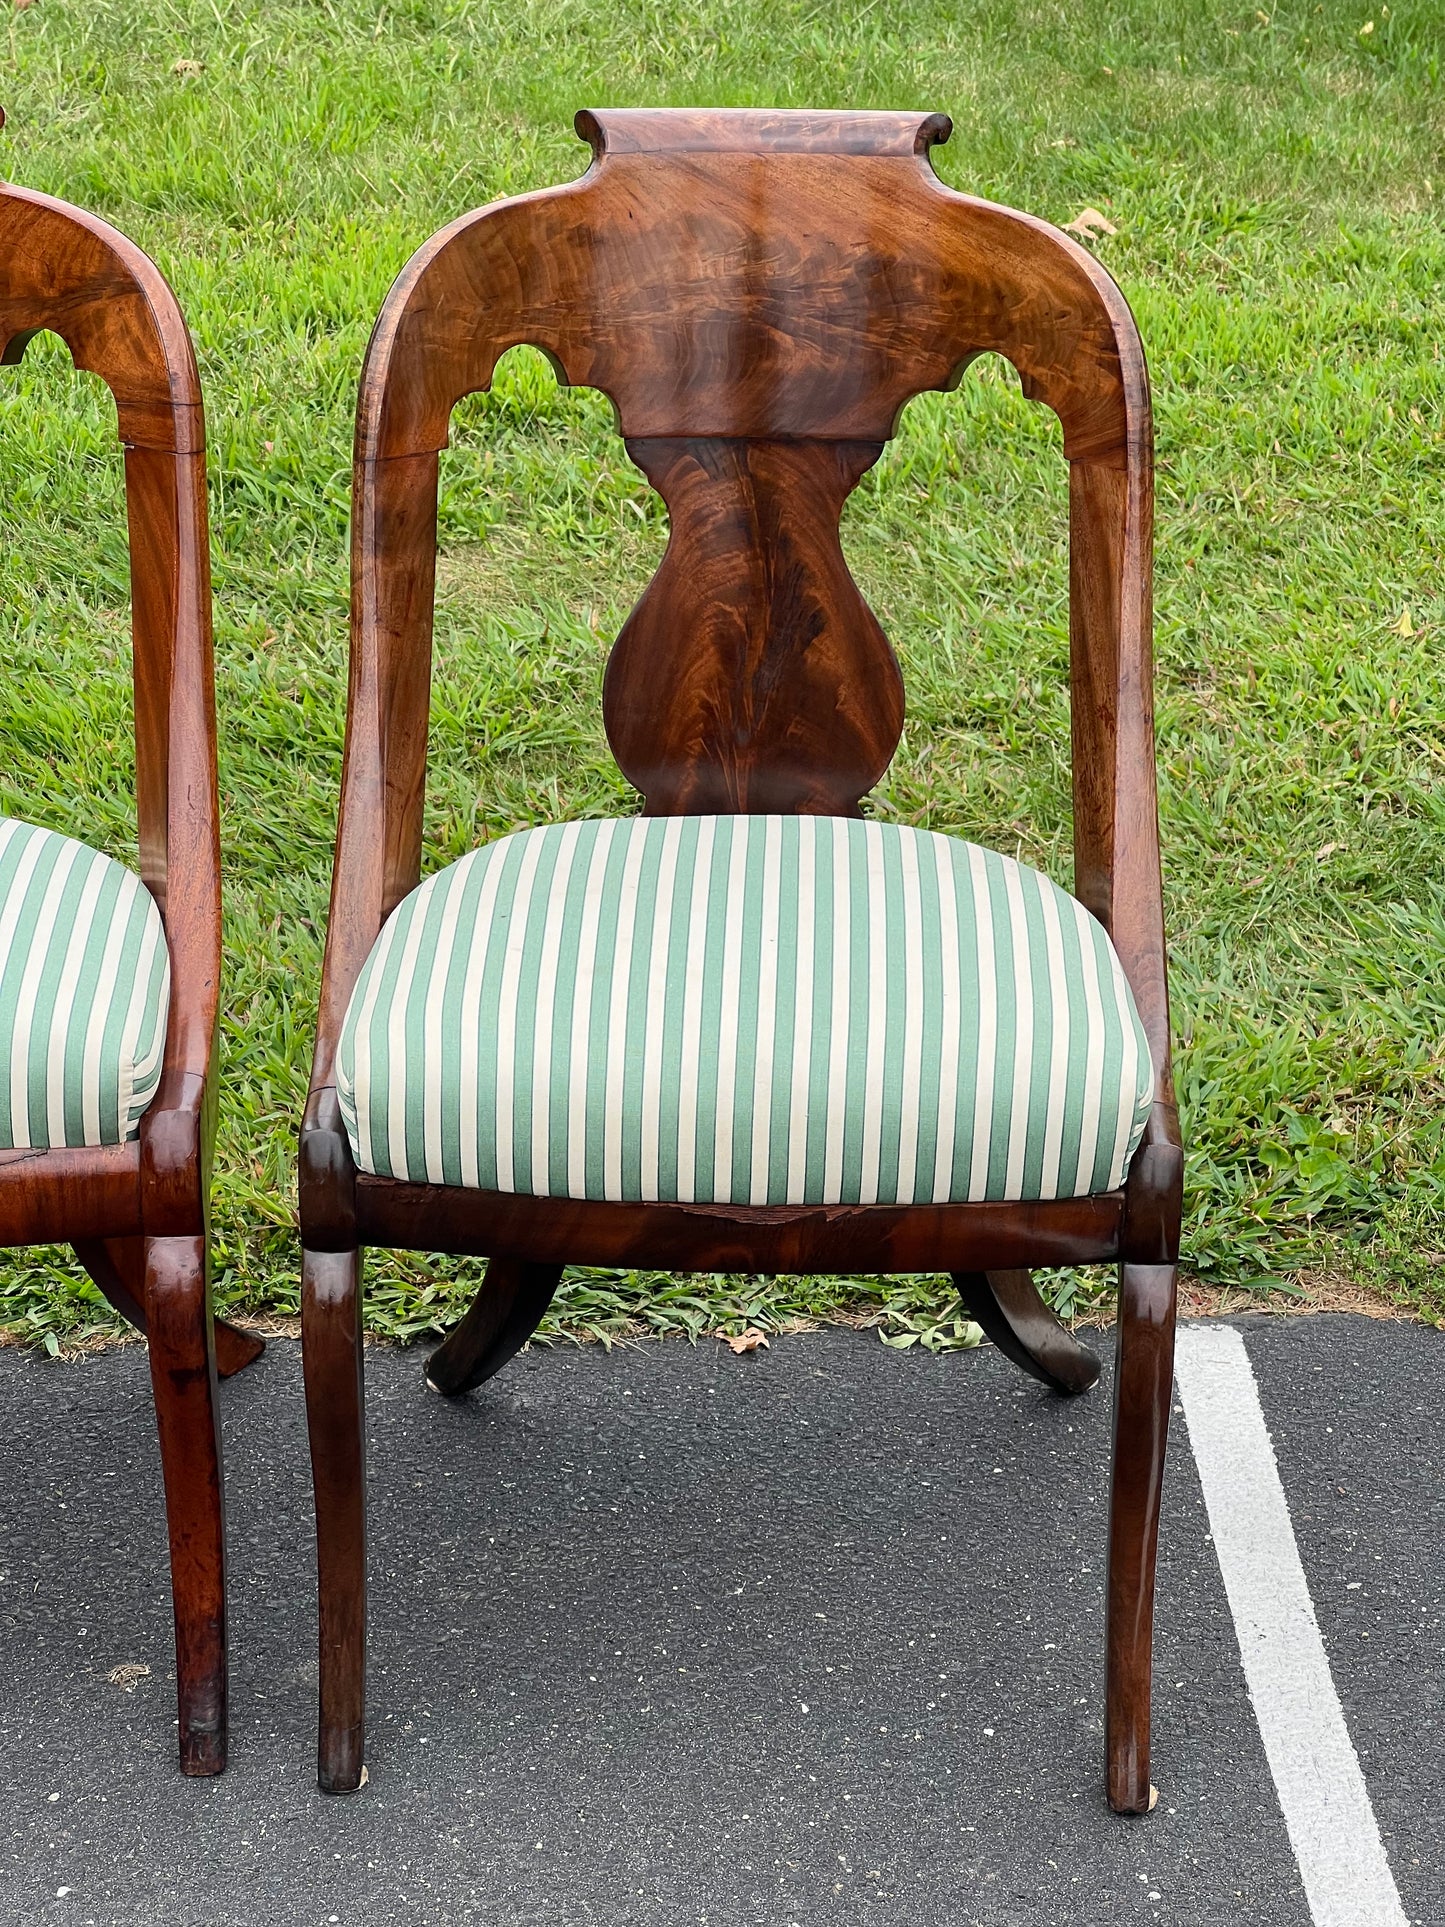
[[760, 294], [68, 272]]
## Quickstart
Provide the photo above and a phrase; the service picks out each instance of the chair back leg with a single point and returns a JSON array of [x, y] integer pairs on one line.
[[183, 1378], [331, 1352], [1008, 1308], [501, 1318], [1143, 1391]]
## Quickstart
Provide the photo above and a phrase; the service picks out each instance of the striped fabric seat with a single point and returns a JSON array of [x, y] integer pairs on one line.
[[85, 982], [745, 1009]]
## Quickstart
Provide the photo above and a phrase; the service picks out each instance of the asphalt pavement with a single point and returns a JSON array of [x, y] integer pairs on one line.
[[806, 1638]]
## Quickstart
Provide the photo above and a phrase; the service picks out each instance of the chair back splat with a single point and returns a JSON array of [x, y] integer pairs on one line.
[[759, 294]]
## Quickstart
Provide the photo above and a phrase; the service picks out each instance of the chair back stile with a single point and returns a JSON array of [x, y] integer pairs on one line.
[[67, 272]]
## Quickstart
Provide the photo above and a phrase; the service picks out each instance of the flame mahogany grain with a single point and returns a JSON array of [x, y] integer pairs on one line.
[[759, 294], [785, 695]]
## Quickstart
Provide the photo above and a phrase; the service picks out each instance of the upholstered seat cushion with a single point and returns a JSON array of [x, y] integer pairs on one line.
[[753, 1009], [84, 993]]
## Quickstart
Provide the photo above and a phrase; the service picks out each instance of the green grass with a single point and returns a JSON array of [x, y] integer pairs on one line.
[[1277, 183]]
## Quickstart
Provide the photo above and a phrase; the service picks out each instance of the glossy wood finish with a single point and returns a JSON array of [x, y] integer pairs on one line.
[[332, 1359], [1143, 1391], [117, 1265], [759, 294], [506, 1311], [777, 1239], [54, 1197], [1013, 1316], [787, 695], [138, 1212], [183, 1379]]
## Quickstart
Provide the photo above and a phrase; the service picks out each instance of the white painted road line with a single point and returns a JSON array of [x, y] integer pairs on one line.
[[1327, 1810]]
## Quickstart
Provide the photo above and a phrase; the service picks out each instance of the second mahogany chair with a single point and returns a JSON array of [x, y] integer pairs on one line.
[[748, 1030], [109, 982]]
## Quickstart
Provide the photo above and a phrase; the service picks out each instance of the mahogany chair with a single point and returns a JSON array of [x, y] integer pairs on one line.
[[109, 982], [746, 1030]]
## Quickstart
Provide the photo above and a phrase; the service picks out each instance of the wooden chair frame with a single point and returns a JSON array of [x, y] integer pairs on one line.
[[137, 1213], [759, 294]]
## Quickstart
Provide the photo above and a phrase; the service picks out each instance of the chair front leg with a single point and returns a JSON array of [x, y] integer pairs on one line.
[[117, 1265], [331, 1353], [183, 1378], [1143, 1390]]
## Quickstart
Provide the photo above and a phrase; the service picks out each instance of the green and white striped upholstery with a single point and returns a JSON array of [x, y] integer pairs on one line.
[[754, 1009], [85, 984]]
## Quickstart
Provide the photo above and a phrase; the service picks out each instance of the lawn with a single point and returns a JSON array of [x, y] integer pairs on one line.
[[1277, 181]]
